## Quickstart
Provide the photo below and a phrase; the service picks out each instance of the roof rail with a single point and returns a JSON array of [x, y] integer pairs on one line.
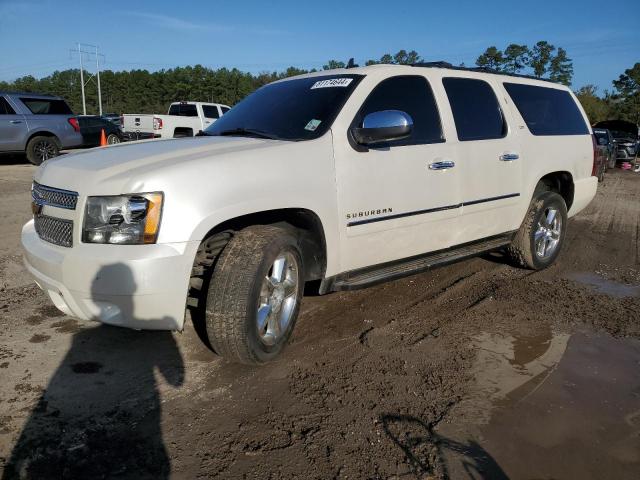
[[443, 64]]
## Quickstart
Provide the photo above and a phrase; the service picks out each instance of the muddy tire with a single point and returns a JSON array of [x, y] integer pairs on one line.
[[541, 235], [254, 294], [42, 148]]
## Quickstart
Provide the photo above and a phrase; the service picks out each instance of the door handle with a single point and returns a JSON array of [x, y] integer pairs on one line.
[[509, 157], [442, 165], [15, 121]]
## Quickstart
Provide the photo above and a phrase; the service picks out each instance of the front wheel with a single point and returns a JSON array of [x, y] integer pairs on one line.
[[254, 295], [113, 139], [539, 240]]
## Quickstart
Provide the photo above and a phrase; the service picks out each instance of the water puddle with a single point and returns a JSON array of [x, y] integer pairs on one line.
[[603, 285], [561, 406]]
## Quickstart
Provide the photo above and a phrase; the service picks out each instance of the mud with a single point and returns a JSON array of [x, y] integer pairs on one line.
[[455, 373]]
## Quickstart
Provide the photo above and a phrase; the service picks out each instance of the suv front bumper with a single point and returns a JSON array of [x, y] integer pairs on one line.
[[136, 286]]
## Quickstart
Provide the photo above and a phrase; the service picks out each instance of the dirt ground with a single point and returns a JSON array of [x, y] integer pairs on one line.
[[476, 370]]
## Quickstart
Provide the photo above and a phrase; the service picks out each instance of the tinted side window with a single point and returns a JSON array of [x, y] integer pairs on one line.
[[210, 111], [183, 110], [475, 108], [412, 95], [44, 106], [224, 109], [547, 111], [5, 108]]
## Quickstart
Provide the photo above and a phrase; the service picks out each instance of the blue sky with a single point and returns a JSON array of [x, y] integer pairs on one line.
[[36, 35]]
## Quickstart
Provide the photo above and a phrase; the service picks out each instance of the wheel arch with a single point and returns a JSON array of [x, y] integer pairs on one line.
[[42, 133], [560, 182], [313, 241]]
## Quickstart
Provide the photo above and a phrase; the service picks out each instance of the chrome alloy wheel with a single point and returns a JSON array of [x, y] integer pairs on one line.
[[278, 297], [45, 149], [113, 139], [547, 236]]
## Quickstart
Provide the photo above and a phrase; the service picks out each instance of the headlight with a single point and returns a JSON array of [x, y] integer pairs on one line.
[[123, 219]]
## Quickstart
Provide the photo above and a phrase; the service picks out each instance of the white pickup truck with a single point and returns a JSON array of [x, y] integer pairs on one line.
[[350, 177], [184, 119]]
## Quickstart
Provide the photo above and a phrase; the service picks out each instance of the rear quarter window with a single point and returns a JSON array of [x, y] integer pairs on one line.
[[45, 106], [5, 108], [547, 111]]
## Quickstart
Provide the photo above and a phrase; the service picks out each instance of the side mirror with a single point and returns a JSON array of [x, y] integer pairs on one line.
[[602, 141], [383, 126]]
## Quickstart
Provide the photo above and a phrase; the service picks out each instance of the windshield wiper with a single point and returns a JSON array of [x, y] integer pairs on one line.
[[249, 132]]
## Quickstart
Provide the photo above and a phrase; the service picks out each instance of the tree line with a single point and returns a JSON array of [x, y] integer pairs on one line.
[[141, 91], [543, 60], [623, 102]]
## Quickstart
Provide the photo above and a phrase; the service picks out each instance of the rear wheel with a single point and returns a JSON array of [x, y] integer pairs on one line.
[[541, 235], [254, 294], [41, 148]]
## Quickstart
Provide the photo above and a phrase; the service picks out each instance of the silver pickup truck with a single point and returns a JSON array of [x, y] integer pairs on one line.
[[38, 125]]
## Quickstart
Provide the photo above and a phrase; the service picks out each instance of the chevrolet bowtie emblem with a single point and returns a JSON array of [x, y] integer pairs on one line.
[[36, 207]]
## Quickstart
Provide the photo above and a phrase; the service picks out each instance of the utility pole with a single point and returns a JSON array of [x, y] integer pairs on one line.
[[83, 84], [84, 103], [98, 74]]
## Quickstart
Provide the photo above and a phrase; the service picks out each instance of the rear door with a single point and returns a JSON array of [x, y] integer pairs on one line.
[[13, 127], [393, 200], [190, 115], [487, 151], [210, 114]]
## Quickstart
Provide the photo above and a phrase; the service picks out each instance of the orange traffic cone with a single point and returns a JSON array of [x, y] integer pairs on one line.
[[103, 139]]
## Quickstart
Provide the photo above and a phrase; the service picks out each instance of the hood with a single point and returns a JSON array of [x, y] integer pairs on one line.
[[619, 128], [119, 163]]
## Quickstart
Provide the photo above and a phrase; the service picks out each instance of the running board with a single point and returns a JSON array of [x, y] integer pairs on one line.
[[369, 276]]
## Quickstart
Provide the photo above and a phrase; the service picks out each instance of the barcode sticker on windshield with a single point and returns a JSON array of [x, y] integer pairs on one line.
[[332, 82]]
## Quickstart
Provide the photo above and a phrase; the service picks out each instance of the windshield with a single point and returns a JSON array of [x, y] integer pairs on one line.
[[299, 109], [600, 134], [622, 135]]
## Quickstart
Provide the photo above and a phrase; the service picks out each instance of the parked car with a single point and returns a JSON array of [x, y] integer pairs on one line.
[[38, 125], [184, 119], [112, 117], [625, 136], [605, 139], [91, 128], [368, 174]]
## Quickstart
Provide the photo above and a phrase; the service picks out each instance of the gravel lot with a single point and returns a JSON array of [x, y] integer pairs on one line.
[[473, 370]]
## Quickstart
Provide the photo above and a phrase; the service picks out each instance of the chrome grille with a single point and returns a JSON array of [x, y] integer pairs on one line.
[[54, 230], [43, 195]]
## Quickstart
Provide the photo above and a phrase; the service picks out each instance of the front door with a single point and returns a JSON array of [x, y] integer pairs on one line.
[[400, 198]]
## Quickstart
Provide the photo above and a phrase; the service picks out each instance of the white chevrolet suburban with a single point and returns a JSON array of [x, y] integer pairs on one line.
[[350, 177]]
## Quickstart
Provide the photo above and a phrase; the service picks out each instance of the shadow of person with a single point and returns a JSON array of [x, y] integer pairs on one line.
[[100, 413], [416, 439]]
